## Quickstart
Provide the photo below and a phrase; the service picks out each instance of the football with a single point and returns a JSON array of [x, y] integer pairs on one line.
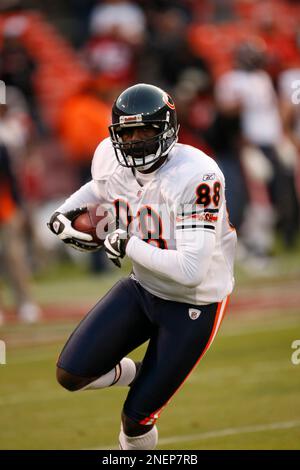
[[95, 222]]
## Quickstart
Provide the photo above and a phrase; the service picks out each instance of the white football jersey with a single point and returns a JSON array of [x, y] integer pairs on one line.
[[104, 162], [185, 194]]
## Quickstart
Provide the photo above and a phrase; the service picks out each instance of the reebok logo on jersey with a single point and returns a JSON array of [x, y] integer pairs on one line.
[[209, 177], [194, 313], [205, 217]]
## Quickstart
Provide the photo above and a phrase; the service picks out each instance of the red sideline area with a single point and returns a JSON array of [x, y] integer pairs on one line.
[[240, 304]]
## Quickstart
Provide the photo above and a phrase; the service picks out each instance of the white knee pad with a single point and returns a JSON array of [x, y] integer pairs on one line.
[[147, 441]]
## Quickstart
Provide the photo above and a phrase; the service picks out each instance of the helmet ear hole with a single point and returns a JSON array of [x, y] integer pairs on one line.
[[170, 133]]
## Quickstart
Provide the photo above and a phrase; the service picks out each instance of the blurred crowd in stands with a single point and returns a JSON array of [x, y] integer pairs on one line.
[[232, 66]]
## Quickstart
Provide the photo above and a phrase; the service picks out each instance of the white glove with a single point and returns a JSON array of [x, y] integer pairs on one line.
[[61, 225], [115, 245]]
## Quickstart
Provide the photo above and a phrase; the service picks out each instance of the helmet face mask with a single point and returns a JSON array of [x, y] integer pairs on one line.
[[155, 110], [139, 153]]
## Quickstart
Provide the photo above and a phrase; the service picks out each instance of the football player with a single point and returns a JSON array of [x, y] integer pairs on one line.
[[168, 199]]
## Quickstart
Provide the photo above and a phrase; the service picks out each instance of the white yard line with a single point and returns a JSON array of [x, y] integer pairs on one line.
[[219, 433]]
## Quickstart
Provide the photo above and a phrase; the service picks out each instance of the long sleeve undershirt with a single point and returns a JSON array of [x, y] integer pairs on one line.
[[88, 193], [187, 265]]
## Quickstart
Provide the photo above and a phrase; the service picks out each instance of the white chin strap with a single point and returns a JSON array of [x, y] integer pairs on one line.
[[148, 159], [147, 166]]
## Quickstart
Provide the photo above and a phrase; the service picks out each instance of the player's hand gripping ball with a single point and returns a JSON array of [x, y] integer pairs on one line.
[[84, 228]]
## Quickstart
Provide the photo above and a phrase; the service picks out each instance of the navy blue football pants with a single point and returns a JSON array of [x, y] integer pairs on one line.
[[126, 317]]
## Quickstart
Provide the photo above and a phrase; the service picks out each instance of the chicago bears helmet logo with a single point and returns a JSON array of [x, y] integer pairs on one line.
[[168, 100]]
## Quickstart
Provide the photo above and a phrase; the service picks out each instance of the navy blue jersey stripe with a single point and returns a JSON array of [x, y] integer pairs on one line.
[[182, 227]]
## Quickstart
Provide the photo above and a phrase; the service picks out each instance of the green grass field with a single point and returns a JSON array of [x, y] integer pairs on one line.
[[244, 394]]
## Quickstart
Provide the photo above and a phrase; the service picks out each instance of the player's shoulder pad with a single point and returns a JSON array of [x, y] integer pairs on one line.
[[188, 168], [104, 162]]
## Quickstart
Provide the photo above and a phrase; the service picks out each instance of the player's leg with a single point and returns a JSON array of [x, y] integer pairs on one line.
[[137, 436], [124, 373], [94, 355], [185, 333]]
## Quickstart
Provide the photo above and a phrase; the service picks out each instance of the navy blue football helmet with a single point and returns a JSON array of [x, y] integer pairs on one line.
[[143, 105]]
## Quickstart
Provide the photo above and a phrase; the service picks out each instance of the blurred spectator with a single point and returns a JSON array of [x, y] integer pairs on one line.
[[167, 53], [248, 92], [15, 126], [17, 66], [289, 94], [124, 17], [195, 107], [225, 139], [117, 33], [111, 57], [83, 123], [12, 243]]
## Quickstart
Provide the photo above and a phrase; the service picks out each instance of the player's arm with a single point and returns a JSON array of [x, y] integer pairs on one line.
[[187, 265], [60, 222], [88, 193], [92, 192]]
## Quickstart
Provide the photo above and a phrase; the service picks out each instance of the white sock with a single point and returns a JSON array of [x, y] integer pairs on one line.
[[121, 375], [147, 441]]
